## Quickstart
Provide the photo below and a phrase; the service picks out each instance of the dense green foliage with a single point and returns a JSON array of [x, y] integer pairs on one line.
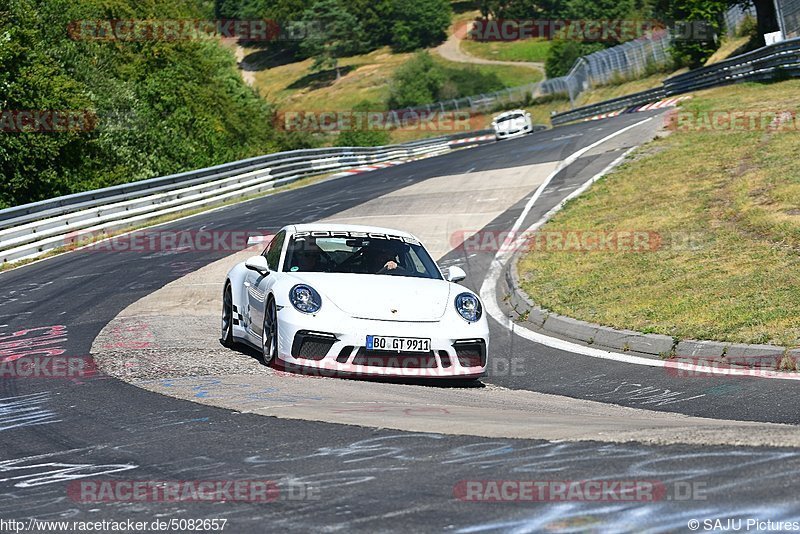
[[161, 106], [421, 80], [517, 9], [336, 34], [561, 56], [404, 25], [419, 23], [693, 52]]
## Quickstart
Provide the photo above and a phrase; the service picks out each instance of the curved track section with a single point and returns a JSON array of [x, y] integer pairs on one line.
[[58, 431]]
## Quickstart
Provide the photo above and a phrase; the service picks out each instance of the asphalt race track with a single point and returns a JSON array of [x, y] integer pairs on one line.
[[353, 478]]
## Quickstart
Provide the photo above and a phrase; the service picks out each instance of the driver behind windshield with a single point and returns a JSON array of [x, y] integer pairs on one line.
[[383, 256]]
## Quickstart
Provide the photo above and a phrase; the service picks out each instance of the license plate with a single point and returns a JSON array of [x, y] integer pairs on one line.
[[404, 344]]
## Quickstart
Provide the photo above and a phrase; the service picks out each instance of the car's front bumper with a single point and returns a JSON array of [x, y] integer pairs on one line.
[[317, 344], [506, 134]]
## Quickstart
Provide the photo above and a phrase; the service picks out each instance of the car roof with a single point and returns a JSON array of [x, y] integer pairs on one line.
[[326, 227]]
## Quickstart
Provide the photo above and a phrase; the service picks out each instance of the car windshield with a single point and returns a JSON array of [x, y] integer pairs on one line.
[[360, 253], [508, 118]]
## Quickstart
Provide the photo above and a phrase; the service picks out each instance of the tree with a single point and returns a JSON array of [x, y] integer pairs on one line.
[[561, 56], [331, 32], [693, 50], [418, 81], [279, 10], [599, 9], [420, 23], [495, 9], [521, 9], [376, 18], [149, 108], [766, 17]]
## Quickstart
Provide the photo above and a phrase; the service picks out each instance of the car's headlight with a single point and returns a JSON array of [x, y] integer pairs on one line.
[[305, 299], [469, 307]]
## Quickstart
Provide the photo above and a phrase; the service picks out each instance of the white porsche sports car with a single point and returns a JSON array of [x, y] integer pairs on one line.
[[356, 300], [512, 123]]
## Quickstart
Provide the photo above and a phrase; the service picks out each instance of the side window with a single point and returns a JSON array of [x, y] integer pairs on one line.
[[273, 252]]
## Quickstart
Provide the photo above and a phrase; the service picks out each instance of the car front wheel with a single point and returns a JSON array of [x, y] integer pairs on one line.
[[269, 336], [227, 317]]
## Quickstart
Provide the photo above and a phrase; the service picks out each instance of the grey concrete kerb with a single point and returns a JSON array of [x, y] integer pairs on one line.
[[527, 313]]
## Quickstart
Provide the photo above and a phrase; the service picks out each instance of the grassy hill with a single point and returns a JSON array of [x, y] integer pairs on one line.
[[365, 77]]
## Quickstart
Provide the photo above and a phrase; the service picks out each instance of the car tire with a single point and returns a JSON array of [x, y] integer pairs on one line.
[[227, 317], [269, 334]]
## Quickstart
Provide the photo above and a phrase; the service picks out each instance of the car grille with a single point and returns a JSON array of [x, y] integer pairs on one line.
[[471, 352], [312, 345], [402, 360]]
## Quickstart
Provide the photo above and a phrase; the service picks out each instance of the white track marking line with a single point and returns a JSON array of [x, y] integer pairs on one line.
[[561, 166], [489, 297]]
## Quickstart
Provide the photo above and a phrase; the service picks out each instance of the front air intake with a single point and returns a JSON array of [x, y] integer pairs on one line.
[[471, 352], [312, 345]]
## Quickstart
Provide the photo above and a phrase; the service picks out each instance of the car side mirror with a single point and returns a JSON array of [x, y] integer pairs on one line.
[[456, 274], [258, 264]]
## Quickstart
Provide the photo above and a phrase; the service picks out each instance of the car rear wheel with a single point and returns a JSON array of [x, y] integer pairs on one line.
[[227, 317], [269, 336]]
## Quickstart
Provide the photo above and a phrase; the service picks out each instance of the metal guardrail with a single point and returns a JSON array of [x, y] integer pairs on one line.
[[625, 60], [758, 65], [634, 99], [765, 64], [31, 229]]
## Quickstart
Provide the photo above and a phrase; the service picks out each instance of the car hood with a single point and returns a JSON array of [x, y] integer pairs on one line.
[[512, 124], [382, 297]]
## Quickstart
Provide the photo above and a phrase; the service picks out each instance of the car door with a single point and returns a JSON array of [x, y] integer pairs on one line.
[[258, 286]]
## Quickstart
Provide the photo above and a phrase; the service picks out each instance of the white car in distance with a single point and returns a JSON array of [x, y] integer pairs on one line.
[[512, 123]]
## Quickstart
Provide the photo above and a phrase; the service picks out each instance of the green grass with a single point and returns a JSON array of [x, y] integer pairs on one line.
[[736, 193], [731, 46], [364, 77], [523, 50], [367, 78], [510, 75]]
